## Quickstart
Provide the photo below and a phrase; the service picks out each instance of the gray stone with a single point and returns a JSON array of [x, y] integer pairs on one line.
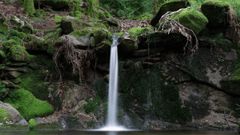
[[14, 116]]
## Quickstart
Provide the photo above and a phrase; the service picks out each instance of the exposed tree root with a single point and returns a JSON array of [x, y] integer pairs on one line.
[[172, 26], [80, 60]]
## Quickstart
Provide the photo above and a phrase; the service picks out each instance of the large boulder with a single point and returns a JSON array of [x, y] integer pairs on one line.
[[217, 13], [83, 42], [172, 5], [191, 19], [162, 40]]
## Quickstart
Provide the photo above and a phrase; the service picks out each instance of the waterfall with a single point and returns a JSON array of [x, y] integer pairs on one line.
[[112, 122], [113, 85]]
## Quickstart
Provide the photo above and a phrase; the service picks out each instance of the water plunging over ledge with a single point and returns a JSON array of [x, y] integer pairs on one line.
[[112, 122]]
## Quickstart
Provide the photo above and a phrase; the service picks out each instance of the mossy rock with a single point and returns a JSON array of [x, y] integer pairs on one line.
[[192, 19], [15, 51], [28, 105], [21, 24], [35, 44], [171, 5], [98, 33], [137, 31], [217, 13], [8, 114], [163, 41]]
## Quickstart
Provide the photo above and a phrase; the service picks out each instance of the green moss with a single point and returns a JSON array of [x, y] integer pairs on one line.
[[28, 105], [58, 18], [32, 123], [15, 51], [18, 53], [33, 81], [137, 31], [29, 7], [192, 19], [3, 115]]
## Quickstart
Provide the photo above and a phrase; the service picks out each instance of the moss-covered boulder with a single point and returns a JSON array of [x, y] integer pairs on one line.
[[217, 13], [98, 33], [192, 19], [15, 51], [162, 40], [28, 105], [21, 24], [171, 5]]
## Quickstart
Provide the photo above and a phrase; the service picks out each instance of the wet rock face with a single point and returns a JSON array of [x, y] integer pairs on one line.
[[217, 14]]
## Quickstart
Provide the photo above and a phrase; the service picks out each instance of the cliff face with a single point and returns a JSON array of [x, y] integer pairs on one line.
[[181, 73]]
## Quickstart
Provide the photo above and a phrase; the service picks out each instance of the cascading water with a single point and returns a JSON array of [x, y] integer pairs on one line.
[[112, 122]]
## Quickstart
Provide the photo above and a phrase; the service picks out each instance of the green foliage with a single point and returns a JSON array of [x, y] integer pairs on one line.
[[92, 105], [128, 8], [28, 105], [75, 8], [3, 115], [32, 123], [29, 7]]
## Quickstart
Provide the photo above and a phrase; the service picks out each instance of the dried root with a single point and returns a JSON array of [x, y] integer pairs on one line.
[[80, 60], [172, 26]]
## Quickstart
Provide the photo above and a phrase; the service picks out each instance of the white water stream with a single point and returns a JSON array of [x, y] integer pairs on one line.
[[112, 122]]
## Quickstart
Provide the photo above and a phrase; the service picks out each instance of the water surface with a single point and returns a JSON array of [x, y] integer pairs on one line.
[[48, 132]]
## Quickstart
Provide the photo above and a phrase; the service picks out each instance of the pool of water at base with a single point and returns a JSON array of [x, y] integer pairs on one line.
[[74, 132]]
